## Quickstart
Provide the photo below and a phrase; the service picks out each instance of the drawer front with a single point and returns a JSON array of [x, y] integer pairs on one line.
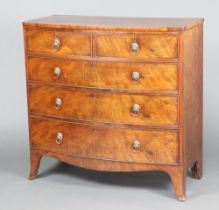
[[58, 43], [132, 76], [136, 46], [104, 107], [118, 144]]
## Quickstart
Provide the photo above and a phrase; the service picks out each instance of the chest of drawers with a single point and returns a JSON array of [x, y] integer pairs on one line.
[[116, 94]]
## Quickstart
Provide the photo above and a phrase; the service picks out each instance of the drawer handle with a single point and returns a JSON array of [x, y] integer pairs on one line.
[[134, 46], [136, 145], [57, 72], [56, 43], [59, 138], [58, 102], [135, 76], [136, 108]]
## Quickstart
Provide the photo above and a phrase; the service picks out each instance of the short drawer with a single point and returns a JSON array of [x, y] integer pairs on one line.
[[117, 144], [104, 107], [132, 76], [58, 43], [142, 46]]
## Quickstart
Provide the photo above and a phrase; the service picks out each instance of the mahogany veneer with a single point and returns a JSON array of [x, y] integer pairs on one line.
[[102, 142], [104, 107], [151, 46], [116, 94], [73, 43], [160, 76]]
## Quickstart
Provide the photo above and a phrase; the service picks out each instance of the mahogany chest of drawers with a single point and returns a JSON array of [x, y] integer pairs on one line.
[[116, 94]]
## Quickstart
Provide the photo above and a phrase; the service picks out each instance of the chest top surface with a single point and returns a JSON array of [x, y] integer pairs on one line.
[[114, 23]]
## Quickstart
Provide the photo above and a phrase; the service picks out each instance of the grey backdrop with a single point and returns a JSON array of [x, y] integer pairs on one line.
[[63, 187]]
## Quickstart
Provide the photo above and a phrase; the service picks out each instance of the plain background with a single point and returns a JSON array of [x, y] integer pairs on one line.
[[64, 187]]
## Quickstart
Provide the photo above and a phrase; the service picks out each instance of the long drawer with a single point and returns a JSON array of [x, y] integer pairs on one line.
[[131, 76], [118, 144], [104, 107]]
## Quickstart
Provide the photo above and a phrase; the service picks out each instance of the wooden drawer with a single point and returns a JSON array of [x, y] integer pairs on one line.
[[104, 107], [106, 143], [70, 43], [96, 74], [149, 45]]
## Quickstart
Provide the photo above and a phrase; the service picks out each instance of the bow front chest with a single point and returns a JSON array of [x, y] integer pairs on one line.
[[116, 94]]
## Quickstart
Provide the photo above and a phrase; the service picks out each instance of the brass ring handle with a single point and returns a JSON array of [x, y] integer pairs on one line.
[[58, 102], [56, 43], [57, 72], [136, 145], [134, 46], [135, 76], [59, 138], [136, 108]]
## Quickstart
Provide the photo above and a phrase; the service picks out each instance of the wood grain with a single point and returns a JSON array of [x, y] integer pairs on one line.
[[35, 157], [97, 94], [104, 107], [193, 99], [96, 74], [174, 171], [105, 142], [113, 23], [72, 43], [150, 46]]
